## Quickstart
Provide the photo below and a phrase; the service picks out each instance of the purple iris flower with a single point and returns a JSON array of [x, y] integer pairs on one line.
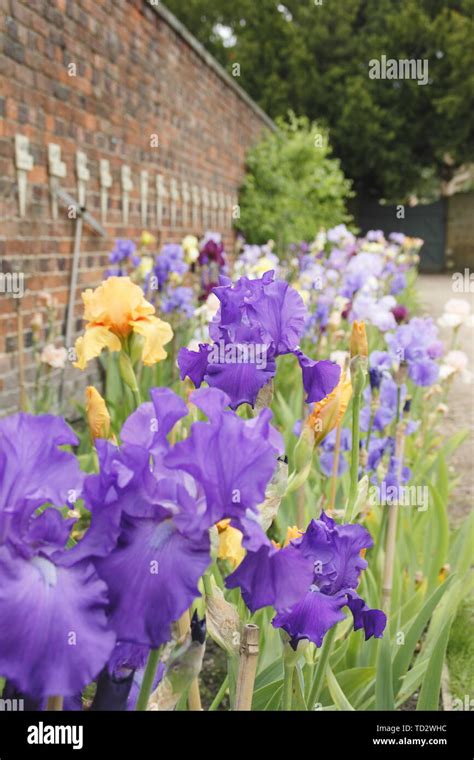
[[159, 502], [212, 249], [123, 250], [337, 259], [169, 261], [400, 312], [418, 345], [378, 447], [397, 237], [375, 378], [375, 236], [376, 312], [339, 234], [51, 600], [180, 300], [361, 268], [331, 556], [398, 284], [380, 360], [121, 257], [258, 321], [387, 409]]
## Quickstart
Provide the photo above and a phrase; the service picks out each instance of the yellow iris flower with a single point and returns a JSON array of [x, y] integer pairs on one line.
[[230, 543], [147, 238], [113, 311], [190, 246]]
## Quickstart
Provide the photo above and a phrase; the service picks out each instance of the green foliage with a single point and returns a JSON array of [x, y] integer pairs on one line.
[[392, 136], [461, 652], [293, 187]]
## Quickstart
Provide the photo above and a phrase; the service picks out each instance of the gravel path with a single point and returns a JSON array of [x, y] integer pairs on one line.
[[435, 290]]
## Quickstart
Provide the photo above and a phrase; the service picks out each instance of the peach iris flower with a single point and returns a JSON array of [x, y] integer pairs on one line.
[[328, 413], [358, 341], [114, 310], [98, 416]]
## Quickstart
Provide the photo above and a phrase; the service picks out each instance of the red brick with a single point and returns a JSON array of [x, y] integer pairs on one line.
[[136, 76]]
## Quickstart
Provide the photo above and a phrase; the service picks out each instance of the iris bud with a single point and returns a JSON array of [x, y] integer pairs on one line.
[[375, 377], [126, 372], [358, 342], [98, 417]]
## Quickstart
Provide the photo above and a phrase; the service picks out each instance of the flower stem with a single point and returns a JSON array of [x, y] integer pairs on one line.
[[335, 469], [391, 540], [206, 582], [397, 412], [55, 704], [301, 493], [194, 695], [220, 694], [321, 667], [127, 373], [148, 678], [288, 687], [355, 449], [373, 408]]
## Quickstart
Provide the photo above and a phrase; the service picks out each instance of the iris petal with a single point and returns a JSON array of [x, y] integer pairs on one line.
[[94, 340], [54, 637], [313, 616], [152, 577], [156, 333]]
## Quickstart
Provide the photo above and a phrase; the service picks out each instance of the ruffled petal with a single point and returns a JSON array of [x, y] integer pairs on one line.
[[270, 576], [94, 340], [152, 577], [319, 377], [193, 364], [54, 637], [211, 401], [157, 334], [232, 484], [281, 313], [240, 381], [313, 616], [372, 621], [150, 424], [33, 470], [347, 563]]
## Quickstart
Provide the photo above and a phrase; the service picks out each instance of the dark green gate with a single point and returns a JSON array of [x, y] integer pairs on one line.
[[424, 221]]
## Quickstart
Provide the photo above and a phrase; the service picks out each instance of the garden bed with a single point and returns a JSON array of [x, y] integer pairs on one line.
[[265, 466]]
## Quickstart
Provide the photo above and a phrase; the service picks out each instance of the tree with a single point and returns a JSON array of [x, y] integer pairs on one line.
[[292, 187], [392, 136]]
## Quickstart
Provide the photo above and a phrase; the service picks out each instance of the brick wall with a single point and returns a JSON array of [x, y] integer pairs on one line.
[[138, 74]]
